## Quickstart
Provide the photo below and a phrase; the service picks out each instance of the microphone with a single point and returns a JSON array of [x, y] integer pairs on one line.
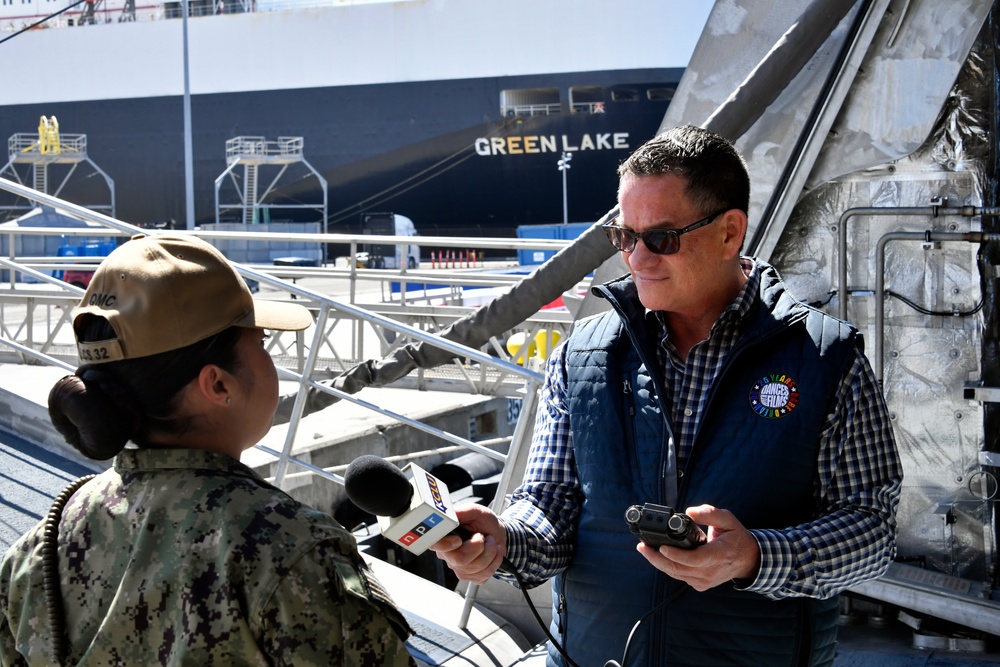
[[412, 506], [414, 510]]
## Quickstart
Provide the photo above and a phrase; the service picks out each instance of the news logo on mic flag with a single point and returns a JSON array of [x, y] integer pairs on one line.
[[421, 529], [435, 490], [430, 516]]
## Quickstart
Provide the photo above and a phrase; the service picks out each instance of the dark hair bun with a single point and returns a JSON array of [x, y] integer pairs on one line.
[[88, 417]]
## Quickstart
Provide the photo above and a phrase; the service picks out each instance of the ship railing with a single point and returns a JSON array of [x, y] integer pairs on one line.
[[239, 147], [157, 12], [587, 107], [30, 144], [175, 11], [552, 109]]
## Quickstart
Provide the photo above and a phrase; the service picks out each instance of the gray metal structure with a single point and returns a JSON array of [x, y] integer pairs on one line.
[[871, 168], [253, 202], [32, 157]]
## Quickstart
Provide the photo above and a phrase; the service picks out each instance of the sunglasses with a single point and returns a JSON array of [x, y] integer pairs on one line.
[[658, 241]]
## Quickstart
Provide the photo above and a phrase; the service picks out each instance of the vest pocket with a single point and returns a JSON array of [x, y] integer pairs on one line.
[[628, 397]]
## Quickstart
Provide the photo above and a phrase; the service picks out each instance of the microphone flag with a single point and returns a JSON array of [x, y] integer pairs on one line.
[[430, 516]]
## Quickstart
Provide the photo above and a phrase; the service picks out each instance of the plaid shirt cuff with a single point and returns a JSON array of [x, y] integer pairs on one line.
[[777, 563], [518, 551]]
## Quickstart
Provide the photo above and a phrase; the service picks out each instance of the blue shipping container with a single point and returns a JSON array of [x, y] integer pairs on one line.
[[558, 232]]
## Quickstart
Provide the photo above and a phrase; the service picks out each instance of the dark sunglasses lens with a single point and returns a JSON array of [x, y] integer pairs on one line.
[[618, 237], [661, 242]]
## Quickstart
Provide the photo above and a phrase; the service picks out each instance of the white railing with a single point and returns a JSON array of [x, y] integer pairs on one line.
[[24, 144], [298, 353], [259, 146], [532, 109], [47, 301]]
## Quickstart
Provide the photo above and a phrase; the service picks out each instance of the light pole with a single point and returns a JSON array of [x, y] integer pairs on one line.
[[564, 167], [188, 150]]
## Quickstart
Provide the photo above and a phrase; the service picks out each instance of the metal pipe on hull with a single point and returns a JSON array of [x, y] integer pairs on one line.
[[925, 237]]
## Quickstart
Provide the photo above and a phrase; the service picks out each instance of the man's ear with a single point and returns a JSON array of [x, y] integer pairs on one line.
[[215, 385], [734, 222]]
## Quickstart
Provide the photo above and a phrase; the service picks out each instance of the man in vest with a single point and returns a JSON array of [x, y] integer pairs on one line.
[[707, 387]]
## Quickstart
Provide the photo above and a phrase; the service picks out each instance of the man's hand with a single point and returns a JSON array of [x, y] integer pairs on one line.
[[481, 555], [732, 552]]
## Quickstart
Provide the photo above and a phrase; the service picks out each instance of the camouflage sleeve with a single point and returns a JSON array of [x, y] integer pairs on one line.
[[9, 657], [324, 612]]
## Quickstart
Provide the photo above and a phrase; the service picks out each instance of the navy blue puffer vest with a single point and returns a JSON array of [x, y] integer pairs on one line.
[[754, 454]]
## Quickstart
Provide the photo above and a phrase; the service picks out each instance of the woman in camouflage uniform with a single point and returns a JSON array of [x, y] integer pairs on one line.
[[179, 554]]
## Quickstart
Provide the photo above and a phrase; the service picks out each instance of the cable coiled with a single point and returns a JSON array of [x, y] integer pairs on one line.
[[50, 570]]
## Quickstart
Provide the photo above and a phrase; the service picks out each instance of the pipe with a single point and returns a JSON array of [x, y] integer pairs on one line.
[[932, 211], [924, 237]]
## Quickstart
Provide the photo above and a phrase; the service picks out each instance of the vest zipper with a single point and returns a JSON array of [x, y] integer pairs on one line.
[[738, 350], [630, 440]]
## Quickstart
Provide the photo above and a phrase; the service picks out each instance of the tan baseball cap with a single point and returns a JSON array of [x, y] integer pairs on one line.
[[162, 293]]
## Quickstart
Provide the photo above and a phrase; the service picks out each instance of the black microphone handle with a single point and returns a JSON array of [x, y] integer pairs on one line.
[[461, 531]]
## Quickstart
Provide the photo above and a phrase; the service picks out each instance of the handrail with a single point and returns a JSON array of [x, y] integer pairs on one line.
[[322, 304]]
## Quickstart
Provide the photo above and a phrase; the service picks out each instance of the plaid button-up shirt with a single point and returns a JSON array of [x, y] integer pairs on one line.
[[857, 480]]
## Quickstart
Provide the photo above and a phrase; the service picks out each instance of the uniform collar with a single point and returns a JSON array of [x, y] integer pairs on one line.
[[151, 459]]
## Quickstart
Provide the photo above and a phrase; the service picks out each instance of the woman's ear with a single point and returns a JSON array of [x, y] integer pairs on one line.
[[215, 385]]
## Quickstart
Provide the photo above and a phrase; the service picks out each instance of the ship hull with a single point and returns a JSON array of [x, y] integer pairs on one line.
[[400, 106]]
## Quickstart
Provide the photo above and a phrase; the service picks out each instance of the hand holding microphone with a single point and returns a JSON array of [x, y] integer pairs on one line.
[[476, 559], [414, 510]]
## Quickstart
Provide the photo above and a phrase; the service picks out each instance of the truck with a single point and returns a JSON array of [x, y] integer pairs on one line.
[[388, 255], [87, 248]]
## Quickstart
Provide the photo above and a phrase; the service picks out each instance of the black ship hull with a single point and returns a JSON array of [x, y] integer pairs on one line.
[[440, 152]]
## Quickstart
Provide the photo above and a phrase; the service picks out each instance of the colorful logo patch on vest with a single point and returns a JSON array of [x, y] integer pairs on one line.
[[774, 396]]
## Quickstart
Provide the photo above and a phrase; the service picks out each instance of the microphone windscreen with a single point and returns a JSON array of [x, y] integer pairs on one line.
[[377, 486]]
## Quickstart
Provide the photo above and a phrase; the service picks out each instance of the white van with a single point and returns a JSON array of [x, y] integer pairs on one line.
[[384, 255]]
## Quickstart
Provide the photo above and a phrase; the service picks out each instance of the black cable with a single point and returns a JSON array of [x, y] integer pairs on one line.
[[628, 642], [50, 570], [41, 21], [508, 567], [819, 303], [395, 190], [942, 313]]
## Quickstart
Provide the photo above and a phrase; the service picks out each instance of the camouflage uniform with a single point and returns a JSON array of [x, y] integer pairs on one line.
[[188, 557]]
